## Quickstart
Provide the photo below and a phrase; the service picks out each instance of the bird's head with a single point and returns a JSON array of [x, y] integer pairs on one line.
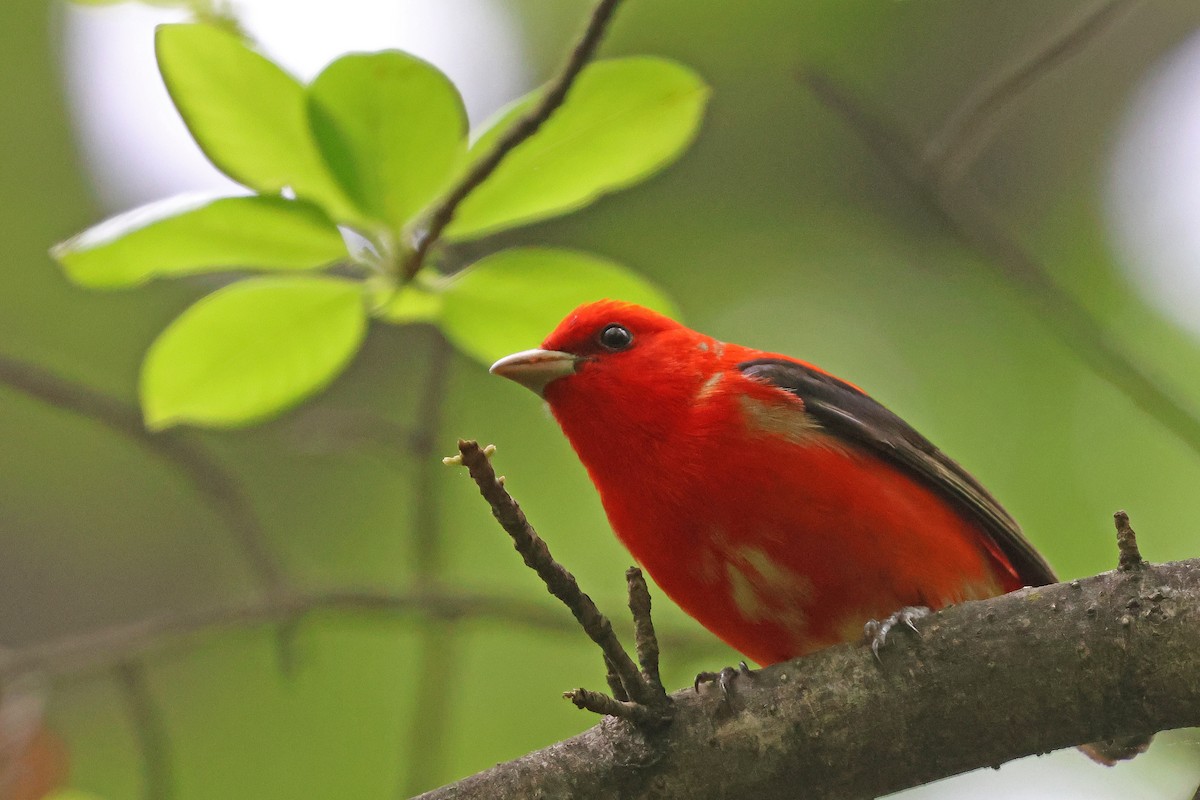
[[606, 347], [616, 376]]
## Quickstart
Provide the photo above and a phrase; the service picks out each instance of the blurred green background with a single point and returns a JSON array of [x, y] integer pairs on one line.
[[779, 229]]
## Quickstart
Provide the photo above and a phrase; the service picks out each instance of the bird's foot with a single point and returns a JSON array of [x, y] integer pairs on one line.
[[876, 631], [724, 678]]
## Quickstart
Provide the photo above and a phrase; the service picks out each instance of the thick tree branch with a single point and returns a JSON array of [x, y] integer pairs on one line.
[[1110, 656]]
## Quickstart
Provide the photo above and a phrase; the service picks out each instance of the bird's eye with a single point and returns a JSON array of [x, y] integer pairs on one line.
[[616, 337]]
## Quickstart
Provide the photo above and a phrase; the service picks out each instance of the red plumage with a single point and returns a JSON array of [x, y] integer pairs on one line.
[[779, 506]]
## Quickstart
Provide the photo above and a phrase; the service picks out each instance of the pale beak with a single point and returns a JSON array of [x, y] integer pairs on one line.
[[535, 369]]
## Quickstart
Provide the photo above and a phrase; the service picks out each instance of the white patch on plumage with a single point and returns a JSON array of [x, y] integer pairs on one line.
[[710, 385], [785, 418], [764, 591], [744, 595]]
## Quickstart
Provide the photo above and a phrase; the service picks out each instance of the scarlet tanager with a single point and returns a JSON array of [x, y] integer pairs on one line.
[[780, 506]]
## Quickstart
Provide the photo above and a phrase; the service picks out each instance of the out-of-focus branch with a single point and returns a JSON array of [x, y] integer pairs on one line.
[[426, 523], [158, 781], [423, 750], [522, 129], [104, 648], [322, 430], [986, 682], [216, 485], [967, 216], [969, 128]]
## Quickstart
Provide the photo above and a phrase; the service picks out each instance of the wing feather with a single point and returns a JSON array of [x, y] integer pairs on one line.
[[846, 411]]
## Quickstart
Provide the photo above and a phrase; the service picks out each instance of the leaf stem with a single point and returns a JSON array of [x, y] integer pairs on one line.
[[522, 129]]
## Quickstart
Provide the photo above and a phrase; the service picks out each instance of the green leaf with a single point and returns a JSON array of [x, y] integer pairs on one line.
[[251, 350], [190, 234], [248, 116], [622, 121], [511, 300], [407, 305], [392, 129]]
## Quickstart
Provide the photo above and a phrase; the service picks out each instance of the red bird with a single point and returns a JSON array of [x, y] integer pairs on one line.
[[780, 506]]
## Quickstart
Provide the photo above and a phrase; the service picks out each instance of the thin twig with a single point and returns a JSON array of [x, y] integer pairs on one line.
[[522, 129], [599, 703], [971, 126], [217, 485], [614, 682], [1130, 557], [158, 781], [558, 580], [968, 217], [645, 640]]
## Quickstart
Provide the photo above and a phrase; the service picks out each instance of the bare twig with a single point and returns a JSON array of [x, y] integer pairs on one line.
[[968, 217], [522, 129], [1130, 556], [970, 127], [614, 682], [645, 640], [558, 580], [158, 781], [217, 485], [599, 703]]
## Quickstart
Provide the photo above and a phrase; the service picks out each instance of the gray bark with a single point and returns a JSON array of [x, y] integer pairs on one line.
[[984, 683]]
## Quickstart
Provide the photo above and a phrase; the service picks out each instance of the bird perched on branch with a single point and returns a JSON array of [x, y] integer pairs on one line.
[[780, 506]]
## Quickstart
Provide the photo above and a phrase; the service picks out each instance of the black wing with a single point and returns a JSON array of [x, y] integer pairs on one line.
[[846, 412]]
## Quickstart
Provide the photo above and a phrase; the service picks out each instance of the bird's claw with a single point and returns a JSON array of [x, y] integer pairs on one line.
[[875, 632], [724, 678]]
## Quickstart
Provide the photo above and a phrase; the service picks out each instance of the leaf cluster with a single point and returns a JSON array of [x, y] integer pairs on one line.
[[342, 175]]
